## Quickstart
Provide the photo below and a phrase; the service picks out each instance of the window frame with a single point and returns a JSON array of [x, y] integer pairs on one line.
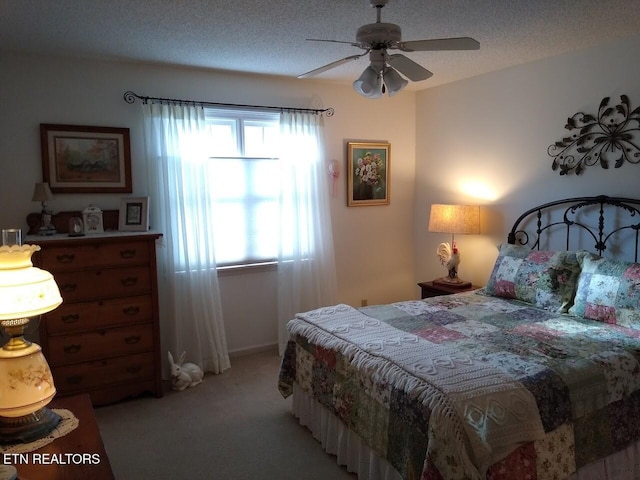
[[239, 120]]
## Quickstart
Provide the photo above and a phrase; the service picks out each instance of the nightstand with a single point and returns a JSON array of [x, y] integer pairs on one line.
[[430, 289], [81, 452]]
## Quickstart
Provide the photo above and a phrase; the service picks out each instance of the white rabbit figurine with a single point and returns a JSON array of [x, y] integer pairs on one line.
[[184, 375]]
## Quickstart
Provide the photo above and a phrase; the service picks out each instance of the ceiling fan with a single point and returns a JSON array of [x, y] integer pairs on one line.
[[382, 73]]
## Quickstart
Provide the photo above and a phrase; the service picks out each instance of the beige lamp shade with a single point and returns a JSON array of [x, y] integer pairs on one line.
[[42, 192], [462, 219]]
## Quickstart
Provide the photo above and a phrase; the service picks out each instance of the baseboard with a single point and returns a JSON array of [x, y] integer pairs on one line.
[[243, 352]]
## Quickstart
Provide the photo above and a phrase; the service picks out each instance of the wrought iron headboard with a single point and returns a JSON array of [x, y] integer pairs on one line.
[[624, 213]]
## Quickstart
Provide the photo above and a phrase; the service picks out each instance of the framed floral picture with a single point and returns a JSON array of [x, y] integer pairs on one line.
[[86, 159], [368, 170]]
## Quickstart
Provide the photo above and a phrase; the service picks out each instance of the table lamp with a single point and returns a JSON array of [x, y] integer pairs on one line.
[[461, 219], [42, 193], [26, 383]]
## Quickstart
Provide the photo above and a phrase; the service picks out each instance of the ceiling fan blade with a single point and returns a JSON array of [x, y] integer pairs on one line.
[[331, 41], [329, 66], [408, 67], [461, 43]]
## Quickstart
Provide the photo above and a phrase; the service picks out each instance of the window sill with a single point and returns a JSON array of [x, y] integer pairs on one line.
[[250, 268]]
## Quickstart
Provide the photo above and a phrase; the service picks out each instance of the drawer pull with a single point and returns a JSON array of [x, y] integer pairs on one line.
[[132, 340], [75, 379], [131, 310], [65, 258], [134, 369], [71, 318], [130, 253], [68, 287], [129, 281], [73, 348]]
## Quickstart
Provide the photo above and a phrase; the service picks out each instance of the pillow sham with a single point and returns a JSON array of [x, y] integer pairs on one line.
[[546, 279], [608, 291]]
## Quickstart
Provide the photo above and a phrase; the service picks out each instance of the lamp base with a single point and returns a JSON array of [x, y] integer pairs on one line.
[[46, 231], [452, 282], [27, 428]]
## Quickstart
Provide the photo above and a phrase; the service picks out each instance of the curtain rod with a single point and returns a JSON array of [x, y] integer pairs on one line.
[[130, 97]]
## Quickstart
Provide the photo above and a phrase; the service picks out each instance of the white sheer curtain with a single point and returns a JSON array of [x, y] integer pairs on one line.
[[306, 265], [180, 208]]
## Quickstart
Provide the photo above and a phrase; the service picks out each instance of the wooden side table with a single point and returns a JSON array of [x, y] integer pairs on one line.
[[430, 289], [83, 442]]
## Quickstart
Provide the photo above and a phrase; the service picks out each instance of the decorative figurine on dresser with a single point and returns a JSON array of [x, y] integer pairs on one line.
[[104, 339]]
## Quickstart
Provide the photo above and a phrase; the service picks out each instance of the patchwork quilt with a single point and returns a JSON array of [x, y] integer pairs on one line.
[[471, 386]]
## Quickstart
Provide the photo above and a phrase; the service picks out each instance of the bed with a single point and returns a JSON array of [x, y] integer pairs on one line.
[[535, 376]]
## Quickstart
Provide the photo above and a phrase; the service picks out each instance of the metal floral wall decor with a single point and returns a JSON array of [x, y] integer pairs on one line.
[[611, 137]]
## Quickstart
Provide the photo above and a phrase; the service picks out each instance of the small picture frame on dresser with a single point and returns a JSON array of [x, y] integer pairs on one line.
[[134, 214]]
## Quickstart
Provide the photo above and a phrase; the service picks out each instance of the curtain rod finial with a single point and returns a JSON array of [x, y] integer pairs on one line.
[[130, 97]]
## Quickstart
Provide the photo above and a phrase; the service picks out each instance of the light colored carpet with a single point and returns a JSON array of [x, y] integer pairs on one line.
[[233, 426]]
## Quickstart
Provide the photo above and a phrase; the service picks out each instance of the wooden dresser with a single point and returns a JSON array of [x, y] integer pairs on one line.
[[104, 339]]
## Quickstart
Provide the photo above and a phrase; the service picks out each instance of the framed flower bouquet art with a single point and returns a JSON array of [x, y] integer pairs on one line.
[[368, 167]]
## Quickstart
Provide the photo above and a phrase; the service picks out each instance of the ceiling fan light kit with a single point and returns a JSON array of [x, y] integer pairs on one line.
[[379, 78], [383, 72]]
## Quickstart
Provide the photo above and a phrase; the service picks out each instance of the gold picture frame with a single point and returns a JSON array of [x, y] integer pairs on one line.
[[368, 174]]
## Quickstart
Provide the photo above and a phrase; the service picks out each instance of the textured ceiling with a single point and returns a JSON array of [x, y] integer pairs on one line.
[[268, 37]]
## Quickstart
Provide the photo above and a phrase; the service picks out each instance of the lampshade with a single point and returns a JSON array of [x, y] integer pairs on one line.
[[26, 383], [463, 219], [393, 81], [41, 192], [25, 291], [369, 82]]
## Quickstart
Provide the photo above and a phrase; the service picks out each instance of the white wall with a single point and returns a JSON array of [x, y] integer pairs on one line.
[[493, 130], [374, 245]]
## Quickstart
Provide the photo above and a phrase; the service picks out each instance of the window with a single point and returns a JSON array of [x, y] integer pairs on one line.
[[245, 185]]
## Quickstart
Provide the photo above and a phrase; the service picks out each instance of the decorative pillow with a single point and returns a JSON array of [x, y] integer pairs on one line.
[[608, 291], [545, 279]]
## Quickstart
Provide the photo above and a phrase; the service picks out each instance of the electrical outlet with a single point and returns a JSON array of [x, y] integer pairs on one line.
[[364, 302]]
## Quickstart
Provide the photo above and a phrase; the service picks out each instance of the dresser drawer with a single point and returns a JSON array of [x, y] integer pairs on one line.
[[103, 283], [104, 343], [74, 317], [100, 373], [67, 258]]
